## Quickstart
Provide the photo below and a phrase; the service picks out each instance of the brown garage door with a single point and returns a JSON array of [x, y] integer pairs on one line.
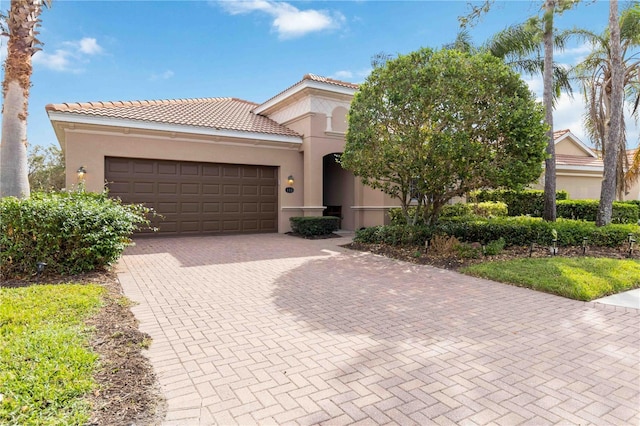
[[198, 198]]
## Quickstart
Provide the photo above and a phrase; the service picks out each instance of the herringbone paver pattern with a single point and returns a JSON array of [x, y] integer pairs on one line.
[[271, 329]]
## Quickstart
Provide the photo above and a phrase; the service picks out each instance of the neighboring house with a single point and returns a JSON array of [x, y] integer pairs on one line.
[[220, 165], [579, 169]]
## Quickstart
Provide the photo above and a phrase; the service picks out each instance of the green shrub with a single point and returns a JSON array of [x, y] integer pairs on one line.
[[521, 231], [495, 247], [72, 232], [456, 210], [520, 203], [623, 212], [490, 209], [395, 235], [514, 231], [313, 226], [397, 218]]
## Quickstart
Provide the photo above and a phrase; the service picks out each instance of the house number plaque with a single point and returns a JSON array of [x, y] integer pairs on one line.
[[288, 189]]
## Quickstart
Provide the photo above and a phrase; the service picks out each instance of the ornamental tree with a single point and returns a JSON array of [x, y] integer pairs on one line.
[[432, 125]]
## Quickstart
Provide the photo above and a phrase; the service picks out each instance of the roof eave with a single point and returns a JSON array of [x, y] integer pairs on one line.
[[168, 127]]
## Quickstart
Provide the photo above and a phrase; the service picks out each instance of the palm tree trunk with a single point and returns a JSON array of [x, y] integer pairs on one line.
[[14, 170], [21, 24], [547, 99], [611, 152]]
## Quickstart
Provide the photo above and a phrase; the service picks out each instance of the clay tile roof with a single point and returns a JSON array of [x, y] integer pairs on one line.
[[559, 133], [319, 79], [328, 80], [216, 113], [576, 160]]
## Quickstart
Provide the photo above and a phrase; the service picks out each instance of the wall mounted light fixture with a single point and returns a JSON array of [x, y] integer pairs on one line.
[[81, 172], [290, 180]]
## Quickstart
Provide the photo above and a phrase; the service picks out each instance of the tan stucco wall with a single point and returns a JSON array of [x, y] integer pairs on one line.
[[568, 147], [88, 147]]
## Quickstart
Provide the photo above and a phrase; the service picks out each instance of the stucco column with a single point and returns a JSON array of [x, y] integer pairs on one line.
[[312, 183], [329, 128]]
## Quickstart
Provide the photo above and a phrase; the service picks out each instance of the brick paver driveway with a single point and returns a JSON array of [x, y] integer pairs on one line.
[[273, 329]]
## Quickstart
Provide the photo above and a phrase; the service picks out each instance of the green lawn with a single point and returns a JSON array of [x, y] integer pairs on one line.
[[46, 365], [580, 278]]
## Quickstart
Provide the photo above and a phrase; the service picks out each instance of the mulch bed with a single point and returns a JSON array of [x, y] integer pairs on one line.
[[421, 256], [128, 392]]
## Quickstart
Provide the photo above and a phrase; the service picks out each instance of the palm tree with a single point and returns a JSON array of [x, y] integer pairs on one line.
[[595, 74], [529, 48], [613, 130], [21, 28]]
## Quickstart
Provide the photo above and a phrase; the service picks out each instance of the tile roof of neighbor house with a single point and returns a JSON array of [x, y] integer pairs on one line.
[[216, 113], [578, 160], [559, 133]]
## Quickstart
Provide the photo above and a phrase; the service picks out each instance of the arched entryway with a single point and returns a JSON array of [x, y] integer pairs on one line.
[[337, 190]]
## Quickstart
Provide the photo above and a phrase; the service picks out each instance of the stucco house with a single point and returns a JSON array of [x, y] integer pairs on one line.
[[579, 169], [222, 165], [226, 165]]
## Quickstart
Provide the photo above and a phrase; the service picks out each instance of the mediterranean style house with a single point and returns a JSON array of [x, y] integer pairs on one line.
[[225, 165], [222, 165], [579, 169]]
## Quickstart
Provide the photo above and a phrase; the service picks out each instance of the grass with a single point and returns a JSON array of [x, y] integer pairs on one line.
[[46, 366], [579, 278]]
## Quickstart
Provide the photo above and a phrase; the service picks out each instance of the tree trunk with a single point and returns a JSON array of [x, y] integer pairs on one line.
[[614, 126], [547, 99], [14, 169], [21, 24]]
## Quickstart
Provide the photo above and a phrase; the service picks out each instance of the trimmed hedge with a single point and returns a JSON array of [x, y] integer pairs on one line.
[[520, 203], [72, 232], [314, 225], [484, 209], [623, 212], [520, 231]]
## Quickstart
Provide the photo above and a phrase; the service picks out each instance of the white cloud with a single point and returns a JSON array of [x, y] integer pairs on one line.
[[69, 58], [57, 61], [342, 75], [162, 76], [351, 76], [90, 46], [288, 20]]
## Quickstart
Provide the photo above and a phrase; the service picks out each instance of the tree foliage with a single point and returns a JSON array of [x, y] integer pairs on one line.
[[595, 75], [46, 168], [431, 125]]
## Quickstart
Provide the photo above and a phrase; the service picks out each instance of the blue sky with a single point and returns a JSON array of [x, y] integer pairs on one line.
[[112, 50]]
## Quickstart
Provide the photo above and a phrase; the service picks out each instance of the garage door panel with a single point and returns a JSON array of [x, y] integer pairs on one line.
[[249, 190], [189, 169], [190, 188], [143, 188], [143, 167], [231, 171], [167, 188], [192, 207], [267, 207], [231, 207], [210, 189], [210, 170], [167, 207], [231, 189], [249, 207], [165, 168], [196, 197], [119, 166], [211, 207], [231, 226], [268, 191]]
